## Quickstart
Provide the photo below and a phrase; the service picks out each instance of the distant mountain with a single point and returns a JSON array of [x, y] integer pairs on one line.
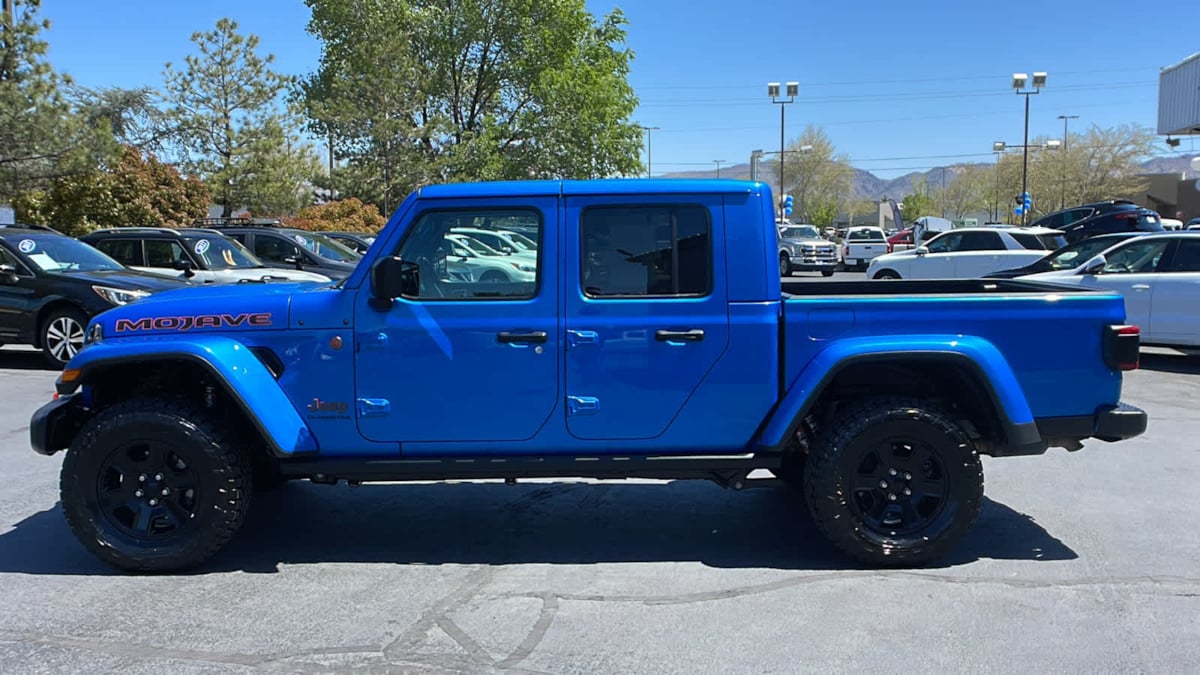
[[867, 185]]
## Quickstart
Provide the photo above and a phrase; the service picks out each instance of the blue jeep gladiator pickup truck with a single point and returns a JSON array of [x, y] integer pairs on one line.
[[648, 335]]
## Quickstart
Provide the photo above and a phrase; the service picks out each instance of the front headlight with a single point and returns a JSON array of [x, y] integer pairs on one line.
[[524, 268], [118, 296]]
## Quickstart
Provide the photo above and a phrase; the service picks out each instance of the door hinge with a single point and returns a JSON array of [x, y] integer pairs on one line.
[[583, 405]]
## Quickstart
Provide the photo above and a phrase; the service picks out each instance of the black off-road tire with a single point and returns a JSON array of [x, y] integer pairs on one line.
[[136, 450], [869, 440]]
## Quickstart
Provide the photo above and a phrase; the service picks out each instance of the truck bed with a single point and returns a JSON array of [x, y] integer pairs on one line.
[[901, 287]]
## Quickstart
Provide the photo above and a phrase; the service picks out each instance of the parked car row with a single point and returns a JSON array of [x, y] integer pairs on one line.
[[52, 284]]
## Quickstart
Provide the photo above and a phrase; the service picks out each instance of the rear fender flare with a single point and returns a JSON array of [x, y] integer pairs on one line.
[[978, 355], [244, 377]]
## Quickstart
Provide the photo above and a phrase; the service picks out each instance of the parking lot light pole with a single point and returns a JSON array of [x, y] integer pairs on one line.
[[1018, 84], [793, 88]]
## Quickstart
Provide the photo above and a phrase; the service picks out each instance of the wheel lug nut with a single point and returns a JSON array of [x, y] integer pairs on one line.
[[158, 476], [891, 497], [883, 484], [138, 493], [892, 472], [142, 478], [153, 502], [166, 491], [908, 476], [907, 492]]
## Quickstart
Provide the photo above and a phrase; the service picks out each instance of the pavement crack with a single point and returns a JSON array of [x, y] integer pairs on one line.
[[536, 634], [1153, 581], [437, 614]]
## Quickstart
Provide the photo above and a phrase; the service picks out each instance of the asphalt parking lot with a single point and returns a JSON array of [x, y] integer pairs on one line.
[[1083, 562]]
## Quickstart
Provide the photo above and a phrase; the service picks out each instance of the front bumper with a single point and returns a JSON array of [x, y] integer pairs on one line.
[[54, 425]]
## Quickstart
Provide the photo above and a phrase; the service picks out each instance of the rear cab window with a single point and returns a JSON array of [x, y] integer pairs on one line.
[[865, 234], [646, 251]]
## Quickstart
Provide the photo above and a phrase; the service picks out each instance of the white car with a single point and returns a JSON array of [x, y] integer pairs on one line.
[[482, 266], [1159, 277], [968, 253], [482, 248], [862, 245], [504, 241]]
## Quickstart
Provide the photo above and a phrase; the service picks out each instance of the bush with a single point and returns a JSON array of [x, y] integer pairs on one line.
[[345, 215]]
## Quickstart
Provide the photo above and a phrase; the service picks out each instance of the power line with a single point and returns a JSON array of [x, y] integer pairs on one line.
[[725, 102], [850, 83]]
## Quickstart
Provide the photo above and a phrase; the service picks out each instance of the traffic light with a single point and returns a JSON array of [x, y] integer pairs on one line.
[[787, 205]]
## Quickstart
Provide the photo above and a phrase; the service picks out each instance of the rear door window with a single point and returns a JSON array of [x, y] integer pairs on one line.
[[128, 252], [1186, 258], [981, 241]]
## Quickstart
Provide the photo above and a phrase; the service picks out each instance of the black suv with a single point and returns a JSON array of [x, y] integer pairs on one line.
[[358, 241], [52, 284], [1089, 220], [277, 245]]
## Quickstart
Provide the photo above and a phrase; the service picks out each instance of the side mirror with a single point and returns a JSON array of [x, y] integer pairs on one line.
[[295, 259], [392, 278], [922, 250], [185, 266], [8, 274], [1094, 266]]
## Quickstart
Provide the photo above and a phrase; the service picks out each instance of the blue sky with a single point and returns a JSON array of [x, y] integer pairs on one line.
[[897, 86]]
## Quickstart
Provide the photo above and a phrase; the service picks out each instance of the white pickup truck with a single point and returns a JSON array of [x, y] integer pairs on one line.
[[862, 245]]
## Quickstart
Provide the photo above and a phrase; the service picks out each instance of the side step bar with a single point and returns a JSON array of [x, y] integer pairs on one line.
[[722, 468]]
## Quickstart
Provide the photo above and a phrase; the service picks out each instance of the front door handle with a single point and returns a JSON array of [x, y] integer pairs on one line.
[[510, 337], [1141, 287], [693, 335]]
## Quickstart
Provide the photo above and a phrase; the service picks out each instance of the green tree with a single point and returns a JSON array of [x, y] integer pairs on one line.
[[818, 178], [965, 194], [41, 137], [137, 190], [915, 205], [412, 92], [226, 104]]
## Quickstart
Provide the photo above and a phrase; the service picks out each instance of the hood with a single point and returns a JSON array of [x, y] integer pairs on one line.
[[277, 275], [806, 240], [223, 308], [127, 280], [896, 255]]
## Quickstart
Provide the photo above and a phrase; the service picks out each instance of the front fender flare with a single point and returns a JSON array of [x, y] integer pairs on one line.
[[245, 378], [979, 355]]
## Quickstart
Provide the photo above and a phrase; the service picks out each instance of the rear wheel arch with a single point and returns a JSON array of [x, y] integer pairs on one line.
[[950, 378]]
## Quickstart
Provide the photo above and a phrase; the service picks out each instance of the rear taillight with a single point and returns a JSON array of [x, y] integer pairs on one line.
[[1122, 345], [846, 252], [889, 247], [1128, 215]]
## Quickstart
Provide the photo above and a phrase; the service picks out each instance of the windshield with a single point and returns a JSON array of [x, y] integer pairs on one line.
[[476, 245], [221, 253], [525, 243], [54, 253], [803, 232], [1078, 253], [324, 246]]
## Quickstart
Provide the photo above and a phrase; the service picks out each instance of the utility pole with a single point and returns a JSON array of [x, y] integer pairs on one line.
[[719, 162], [649, 157], [1065, 118]]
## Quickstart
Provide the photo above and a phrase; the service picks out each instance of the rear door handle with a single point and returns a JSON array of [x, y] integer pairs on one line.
[[510, 337], [693, 335], [1141, 287]]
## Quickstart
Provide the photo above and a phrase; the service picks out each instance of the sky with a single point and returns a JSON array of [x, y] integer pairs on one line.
[[898, 87]]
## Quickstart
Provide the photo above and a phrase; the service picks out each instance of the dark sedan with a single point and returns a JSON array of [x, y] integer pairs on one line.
[[51, 285]]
